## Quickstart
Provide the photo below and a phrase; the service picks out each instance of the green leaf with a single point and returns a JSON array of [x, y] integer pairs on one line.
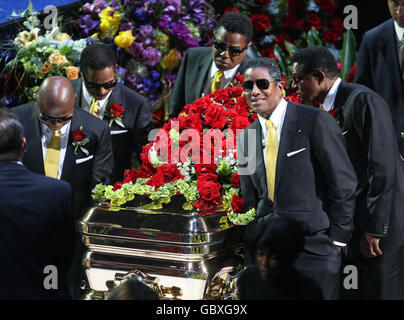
[[281, 59], [119, 123], [292, 49], [85, 151], [313, 38], [348, 54], [253, 52], [65, 50]]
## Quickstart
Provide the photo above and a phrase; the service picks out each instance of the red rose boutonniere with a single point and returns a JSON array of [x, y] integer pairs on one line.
[[80, 140], [114, 113], [336, 113]]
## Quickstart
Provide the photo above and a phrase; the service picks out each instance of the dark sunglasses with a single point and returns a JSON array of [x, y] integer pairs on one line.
[[262, 84], [221, 46], [46, 118], [96, 86]]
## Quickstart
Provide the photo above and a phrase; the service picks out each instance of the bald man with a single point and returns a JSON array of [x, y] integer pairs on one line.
[[57, 149]]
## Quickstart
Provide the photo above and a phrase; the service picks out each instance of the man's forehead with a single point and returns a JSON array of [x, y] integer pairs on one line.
[[255, 71], [233, 38]]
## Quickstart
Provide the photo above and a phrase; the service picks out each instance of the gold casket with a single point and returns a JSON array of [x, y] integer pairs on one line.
[[181, 254]]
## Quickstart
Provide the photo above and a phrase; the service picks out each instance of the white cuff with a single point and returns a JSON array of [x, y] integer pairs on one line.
[[339, 244]]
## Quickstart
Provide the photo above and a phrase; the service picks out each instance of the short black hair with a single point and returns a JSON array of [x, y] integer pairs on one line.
[[133, 289], [281, 236], [97, 56], [236, 22], [316, 58], [267, 63], [11, 134]]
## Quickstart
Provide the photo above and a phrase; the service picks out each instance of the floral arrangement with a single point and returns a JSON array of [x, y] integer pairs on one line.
[[194, 155], [150, 38], [281, 27], [31, 57]]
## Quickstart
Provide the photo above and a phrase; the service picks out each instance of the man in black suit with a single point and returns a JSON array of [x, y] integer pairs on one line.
[[293, 163], [83, 163], [204, 70], [380, 65], [99, 84], [378, 242], [36, 223]]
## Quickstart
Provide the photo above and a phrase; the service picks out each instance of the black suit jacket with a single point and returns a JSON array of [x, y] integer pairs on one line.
[[378, 68], [191, 78], [314, 182], [36, 230], [372, 148], [82, 176], [137, 119]]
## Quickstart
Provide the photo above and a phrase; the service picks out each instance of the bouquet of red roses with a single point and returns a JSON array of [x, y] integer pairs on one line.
[[194, 155]]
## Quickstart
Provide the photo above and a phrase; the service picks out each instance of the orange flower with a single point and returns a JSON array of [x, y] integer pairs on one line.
[[46, 67], [72, 72], [57, 58]]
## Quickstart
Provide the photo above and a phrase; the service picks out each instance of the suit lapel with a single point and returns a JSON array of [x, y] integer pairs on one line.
[[205, 61], [78, 88], [289, 131], [389, 50], [34, 154], [70, 156]]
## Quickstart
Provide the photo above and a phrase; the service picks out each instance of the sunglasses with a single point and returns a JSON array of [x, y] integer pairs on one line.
[[97, 86], [222, 47], [46, 118], [262, 84]]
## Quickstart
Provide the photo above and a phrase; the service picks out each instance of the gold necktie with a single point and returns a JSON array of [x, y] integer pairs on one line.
[[321, 106], [53, 155], [271, 154], [95, 108], [216, 81]]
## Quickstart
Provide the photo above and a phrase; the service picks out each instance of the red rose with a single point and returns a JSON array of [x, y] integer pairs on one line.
[[231, 9], [237, 204], [215, 117], [235, 92], [235, 180], [205, 168], [116, 110], [78, 135], [281, 38], [292, 21], [351, 74], [208, 188], [333, 112], [220, 95], [117, 186], [156, 181], [294, 97], [268, 52], [327, 5], [239, 123], [191, 121], [260, 21], [331, 36], [239, 78], [169, 172], [313, 20]]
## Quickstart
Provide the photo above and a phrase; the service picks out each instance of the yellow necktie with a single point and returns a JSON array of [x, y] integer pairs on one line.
[[271, 154], [95, 108], [321, 106], [53, 155], [216, 81]]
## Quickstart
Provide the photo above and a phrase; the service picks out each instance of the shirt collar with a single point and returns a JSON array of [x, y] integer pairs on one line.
[[228, 74], [399, 31], [330, 98], [276, 116], [48, 132]]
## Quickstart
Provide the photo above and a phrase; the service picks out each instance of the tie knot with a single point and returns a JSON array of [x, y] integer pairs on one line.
[[56, 133], [269, 124]]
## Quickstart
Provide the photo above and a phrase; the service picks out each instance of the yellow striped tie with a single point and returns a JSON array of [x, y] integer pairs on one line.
[[271, 154], [216, 81], [94, 108], [52, 156]]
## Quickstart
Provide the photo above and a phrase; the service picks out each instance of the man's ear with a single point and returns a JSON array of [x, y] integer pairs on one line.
[[23, 144], [319, 75]]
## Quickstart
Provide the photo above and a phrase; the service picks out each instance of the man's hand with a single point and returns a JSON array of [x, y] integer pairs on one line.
[[369, 245]]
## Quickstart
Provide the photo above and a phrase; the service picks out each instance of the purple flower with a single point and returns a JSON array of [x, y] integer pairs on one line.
[[180, 31], [88, 24], [126, 26], [176, 4], [164, 22], [136, 49], [190, 42], [95, 7], [146, 31], [151, 56]]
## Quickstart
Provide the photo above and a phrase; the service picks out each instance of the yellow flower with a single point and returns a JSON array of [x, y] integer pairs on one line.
[[72, 72], [110, 20], [125, 39], [46, 67], [171, 60], [57, 58], [62, 37], [162, 40], [26, 38]]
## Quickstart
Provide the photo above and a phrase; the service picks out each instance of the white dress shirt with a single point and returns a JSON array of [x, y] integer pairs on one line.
[[86, 101], [64, 139], [225, 81], [400, 41], [278, 117], [329, 100]]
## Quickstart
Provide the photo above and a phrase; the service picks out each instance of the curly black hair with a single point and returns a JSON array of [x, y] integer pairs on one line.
[[97, 56], [236, 22]]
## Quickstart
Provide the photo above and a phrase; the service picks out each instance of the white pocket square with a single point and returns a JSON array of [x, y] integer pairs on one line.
[[294, 152], [84, 159], [345, 132], [118, 132]]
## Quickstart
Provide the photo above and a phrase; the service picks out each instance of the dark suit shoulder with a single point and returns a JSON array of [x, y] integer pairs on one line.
[[23, 109], [198, 51], [132, 98], [89, 120], [374, 35]]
